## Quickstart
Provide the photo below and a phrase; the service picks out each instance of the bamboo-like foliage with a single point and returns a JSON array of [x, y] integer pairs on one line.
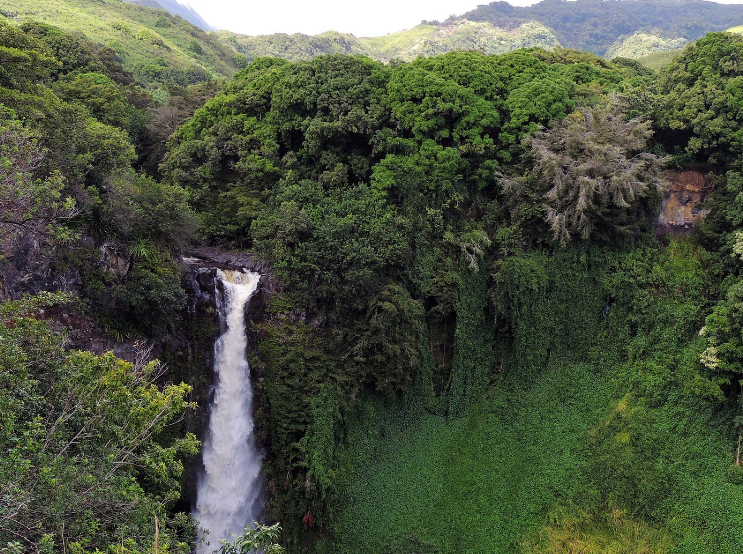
[[592, 172]]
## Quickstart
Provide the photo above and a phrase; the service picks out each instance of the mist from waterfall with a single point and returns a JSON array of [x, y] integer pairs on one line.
[[228, 491]]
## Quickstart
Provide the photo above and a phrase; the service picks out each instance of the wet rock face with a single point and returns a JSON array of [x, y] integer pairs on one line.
[[200, 280], [208, 257], [27, 267], [679, 212], [200, 283], [115, 259]]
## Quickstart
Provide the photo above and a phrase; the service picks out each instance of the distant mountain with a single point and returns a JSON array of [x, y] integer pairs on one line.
[[596, 25], [176, 8], [609, 28], [422, 40], [292, 47], [432, 40]]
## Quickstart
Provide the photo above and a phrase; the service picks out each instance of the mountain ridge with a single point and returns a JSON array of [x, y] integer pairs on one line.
[[619, 28], [593, 25], [176, 8]]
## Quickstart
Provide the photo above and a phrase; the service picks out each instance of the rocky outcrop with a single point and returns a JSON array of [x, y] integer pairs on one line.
[[115, 259], [199, 280], [679, 210], [205, 256], [28, 266]]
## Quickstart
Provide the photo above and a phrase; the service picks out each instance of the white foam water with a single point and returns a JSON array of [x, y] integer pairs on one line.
[[228, 491]]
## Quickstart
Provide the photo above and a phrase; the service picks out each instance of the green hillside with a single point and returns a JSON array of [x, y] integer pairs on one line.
[[421, 40], [403, 41], [152, 44], [598, 452], [640, 44], [594, 25], [659, 60], [432, 40], [291, 47]]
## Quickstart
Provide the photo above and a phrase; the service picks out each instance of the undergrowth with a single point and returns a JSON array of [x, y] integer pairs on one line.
[[616, 442]]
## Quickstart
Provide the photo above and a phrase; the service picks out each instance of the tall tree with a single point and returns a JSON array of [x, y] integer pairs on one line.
[[593, 176]]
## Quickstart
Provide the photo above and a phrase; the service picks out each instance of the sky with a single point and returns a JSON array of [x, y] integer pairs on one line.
[[364, 19]]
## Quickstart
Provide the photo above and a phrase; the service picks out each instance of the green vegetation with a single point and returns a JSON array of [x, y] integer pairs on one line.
[[659, 60], [153, 45], [591, 444], [700, 100], [448, 326], [90, 458], [292, 47], [620, 183], [377, 193], [428, 40], [261, 538], [81, 467], [640, 45], [594, 25], [160, 48], [473, 341], [403, 41], [421, 40]]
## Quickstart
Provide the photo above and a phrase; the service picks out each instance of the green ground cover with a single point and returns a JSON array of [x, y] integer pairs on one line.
[[610, 450]]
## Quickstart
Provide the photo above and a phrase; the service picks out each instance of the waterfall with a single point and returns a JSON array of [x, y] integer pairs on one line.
[[228, 491]]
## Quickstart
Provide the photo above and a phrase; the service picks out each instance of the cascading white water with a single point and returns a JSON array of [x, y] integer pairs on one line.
[[228, 491]]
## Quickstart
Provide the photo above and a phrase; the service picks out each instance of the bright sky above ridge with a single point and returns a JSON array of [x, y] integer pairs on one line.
[[311, 17], [363, 19]]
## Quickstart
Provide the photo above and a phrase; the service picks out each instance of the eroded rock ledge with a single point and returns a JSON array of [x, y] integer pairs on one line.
[[679, 212]]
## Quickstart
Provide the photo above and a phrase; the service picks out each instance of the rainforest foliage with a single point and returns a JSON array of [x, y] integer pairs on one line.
[[478, 343], [474, 341], [93, 453]]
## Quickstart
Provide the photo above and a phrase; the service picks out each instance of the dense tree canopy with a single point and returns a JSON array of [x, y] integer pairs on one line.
[[465, 296], [87, 460], [374, 193], [76, 432], [701, 99]]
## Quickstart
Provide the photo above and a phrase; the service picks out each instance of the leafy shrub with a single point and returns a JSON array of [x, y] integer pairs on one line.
[[163, 22], [151, 297], [146, 35]]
